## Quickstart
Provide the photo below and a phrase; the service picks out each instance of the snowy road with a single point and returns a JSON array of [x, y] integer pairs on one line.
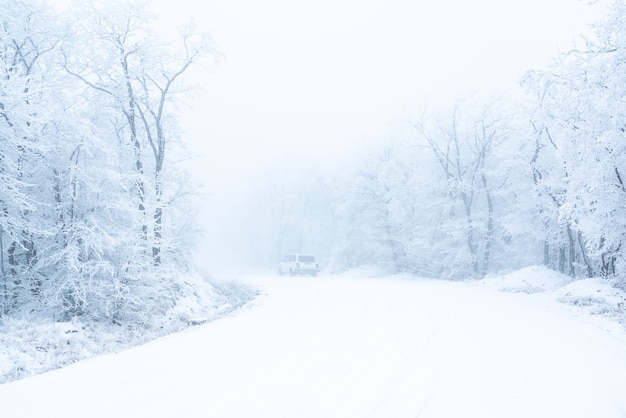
[[346, 347]]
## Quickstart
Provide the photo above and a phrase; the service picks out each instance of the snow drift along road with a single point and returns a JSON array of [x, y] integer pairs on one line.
[[344, 347]]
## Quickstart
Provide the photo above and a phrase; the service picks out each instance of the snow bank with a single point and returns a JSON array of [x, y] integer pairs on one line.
[[533, 279], [596, 296], [32, 345]]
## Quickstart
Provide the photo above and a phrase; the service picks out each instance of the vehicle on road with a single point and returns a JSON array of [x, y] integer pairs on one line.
[[294, 264]]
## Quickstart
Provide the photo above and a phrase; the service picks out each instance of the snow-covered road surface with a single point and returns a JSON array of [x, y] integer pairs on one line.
[[348, 347]]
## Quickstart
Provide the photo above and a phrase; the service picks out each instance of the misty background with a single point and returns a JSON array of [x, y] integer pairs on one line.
[[306, 90]]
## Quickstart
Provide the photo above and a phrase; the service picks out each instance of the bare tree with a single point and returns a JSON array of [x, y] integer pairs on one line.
[[24, 46], [143, 87], [462, 148]]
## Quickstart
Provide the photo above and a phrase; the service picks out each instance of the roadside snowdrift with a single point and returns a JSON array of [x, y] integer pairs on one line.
[[533, 279], [32, 345], [594, 296]]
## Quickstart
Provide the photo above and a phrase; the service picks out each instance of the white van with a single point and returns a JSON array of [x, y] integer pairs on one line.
[[294, 264]]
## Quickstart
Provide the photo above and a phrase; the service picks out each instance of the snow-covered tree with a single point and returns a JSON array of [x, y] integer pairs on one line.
[[475, 185], [27, 44], [581, 108], [92, 212], [139, 88], [448, 196], [375, 208]]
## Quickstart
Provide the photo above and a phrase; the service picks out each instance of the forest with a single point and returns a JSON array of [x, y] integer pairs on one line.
[[96, 215], [94, 206], [490, 184]]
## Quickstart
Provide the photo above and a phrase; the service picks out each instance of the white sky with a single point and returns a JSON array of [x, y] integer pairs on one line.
[[326, 74], [308, 75], [320, 77]]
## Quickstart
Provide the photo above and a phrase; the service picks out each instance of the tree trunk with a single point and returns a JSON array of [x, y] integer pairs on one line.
[[470, 233], [156, 248], [488, 237], [572, 252], [17, 283], [583, 254], [5, 288]]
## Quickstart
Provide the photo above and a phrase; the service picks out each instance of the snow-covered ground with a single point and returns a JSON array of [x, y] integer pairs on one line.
[[31, 344], [366, 347]]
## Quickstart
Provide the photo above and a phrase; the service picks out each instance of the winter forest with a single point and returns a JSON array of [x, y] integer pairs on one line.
[[93, 218], [490, 184], [96, 214]]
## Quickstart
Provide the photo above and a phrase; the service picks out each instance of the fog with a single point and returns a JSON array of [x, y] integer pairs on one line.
[[303, 88], [389, 140]]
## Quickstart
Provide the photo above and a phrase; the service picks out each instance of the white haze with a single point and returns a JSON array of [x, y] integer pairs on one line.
[[304, 86], [309, 83]]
